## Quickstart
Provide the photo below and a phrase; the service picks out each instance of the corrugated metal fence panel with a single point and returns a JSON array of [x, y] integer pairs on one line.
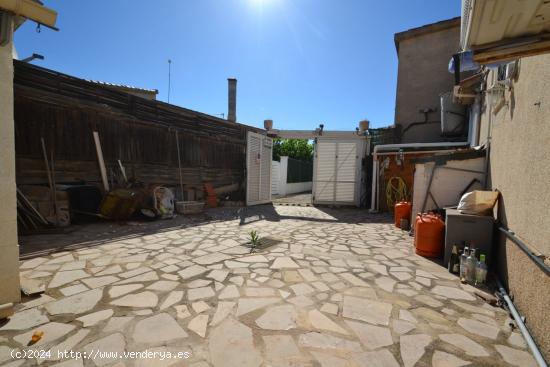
[[275, 177]]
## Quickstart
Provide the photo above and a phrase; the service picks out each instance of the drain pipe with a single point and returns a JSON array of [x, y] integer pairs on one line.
[[519, 321], [396, 147]]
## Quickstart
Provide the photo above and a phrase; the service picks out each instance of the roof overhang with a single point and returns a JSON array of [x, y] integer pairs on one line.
[[32, 10], [312, 134], [506, 29]]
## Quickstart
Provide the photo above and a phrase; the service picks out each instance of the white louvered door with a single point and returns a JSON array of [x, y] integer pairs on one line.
[[258, 169]]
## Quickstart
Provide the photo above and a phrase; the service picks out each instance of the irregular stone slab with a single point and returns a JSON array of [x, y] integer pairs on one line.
[[381, 358], [64, 277], [211, 258], [259, 292], [402, 327], [163, 286], [452, 293], [475, 309], [198, 325], [479, 328], [278, 318], [68, 344], [235, 264], [147, 277], [430, 315], [516, 357], [413, 347], [52, 331], [200, 293], [230, 291], [247, 305], [284, 263], [200, 306], [367, 310], [386, 283], [42, 299], [139, 300], [173, 298], [93, 318], [33, 263], [328, 360], [330, 308], [218, 275], [253, 259], [407, 316], [353, 280], [466, 344], [25, 319], [192, 271], [77, 304], [223, 310], [281, 350], [371, 336], [442, 359], [198, 283], [516, 339], [73, 289], [231, 345], [328, 342], [158, 329], [120, 290], [96, 282], [109, 345], [302, 289], [322, 322], [117, 323], [182, 311]]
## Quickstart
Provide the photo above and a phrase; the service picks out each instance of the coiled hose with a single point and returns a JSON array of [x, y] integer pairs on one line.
[[396, 191]]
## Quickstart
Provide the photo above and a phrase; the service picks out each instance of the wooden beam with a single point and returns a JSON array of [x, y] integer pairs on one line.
[[101, 162]]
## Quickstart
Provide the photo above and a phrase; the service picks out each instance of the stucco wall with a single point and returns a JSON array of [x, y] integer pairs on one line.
[[9, 249], [422, 77], [520, 169]]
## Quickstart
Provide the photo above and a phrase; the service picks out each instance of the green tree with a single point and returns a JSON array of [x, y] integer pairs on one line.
[[300, 149]]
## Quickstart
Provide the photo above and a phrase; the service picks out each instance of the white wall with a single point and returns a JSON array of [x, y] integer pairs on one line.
[[447, 184], [279, 186], [9, 249]]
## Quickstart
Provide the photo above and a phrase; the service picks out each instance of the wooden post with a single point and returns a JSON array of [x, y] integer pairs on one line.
[[101, 162], [50, 179]]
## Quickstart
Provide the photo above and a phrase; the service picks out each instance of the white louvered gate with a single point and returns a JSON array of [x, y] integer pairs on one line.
[[258, 169], [337, 172]]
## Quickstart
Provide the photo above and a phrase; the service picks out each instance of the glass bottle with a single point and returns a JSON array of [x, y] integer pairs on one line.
[[463, 259], [471, 264], [454, 261], [481, 271]]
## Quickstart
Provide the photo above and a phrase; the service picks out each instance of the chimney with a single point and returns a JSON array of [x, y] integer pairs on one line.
[[232, 99]]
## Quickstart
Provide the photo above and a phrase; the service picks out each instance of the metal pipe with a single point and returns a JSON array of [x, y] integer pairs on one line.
[[519, 321], [538, 261]]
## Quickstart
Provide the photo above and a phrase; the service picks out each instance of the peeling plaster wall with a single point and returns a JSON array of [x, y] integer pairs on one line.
[[9, 249], [520, 169]]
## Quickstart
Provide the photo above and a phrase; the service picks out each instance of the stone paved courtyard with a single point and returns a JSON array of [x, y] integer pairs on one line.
[[337, 287]]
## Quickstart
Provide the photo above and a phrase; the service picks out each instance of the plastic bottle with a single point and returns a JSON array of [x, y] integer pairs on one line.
[[471, 264], [481, 271], [463, 260]]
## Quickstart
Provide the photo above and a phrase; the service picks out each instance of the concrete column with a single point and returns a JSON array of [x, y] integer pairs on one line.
[[283, 176], [9, 248]]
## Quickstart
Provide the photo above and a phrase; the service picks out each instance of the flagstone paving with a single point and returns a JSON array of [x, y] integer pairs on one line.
[[338, 287]]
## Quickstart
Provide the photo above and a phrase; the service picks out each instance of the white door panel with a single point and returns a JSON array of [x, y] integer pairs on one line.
[[258, 169]]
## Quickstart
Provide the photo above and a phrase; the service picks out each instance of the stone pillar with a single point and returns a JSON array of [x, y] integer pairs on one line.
[[9, 248]]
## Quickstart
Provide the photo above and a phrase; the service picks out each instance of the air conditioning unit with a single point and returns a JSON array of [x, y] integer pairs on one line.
[[505, 29]]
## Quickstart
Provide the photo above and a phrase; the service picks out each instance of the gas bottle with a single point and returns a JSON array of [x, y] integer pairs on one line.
[[402, 210], [429, 235]]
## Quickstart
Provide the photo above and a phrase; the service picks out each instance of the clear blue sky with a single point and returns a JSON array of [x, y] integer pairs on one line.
[[298, 62]]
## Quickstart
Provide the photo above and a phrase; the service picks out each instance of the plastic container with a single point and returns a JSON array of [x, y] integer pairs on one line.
[[402, 210], [429, 235]]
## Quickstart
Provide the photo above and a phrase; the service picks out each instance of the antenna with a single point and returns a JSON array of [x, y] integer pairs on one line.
[[169, 67]]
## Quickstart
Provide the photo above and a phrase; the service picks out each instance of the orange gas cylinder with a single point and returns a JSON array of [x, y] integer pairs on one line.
[[429, 234], [401, 210]]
